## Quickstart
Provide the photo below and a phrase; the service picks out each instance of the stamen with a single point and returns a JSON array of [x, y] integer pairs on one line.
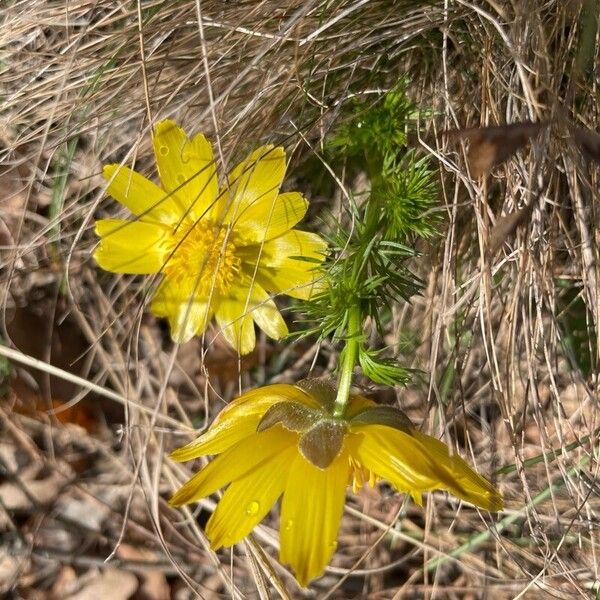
[[360, 476], [203, 251]]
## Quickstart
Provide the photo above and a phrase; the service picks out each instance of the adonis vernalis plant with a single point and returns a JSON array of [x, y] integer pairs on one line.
[[220, 250], [307, 442], [285, 440]]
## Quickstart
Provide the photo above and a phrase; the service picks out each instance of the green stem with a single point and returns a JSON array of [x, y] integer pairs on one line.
[[551, 455], [349, 358]]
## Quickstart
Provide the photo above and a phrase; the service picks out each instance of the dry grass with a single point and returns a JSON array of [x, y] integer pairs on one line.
[[82, 82]]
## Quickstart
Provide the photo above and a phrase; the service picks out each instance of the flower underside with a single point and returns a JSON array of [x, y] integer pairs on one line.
[[282, 440]]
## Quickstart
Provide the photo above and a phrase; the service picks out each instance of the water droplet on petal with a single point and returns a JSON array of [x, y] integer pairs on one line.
[[164, 150], [252, 508], [288, 525]]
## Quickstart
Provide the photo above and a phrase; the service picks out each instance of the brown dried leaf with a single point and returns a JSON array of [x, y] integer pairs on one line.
[[506, 226], [20, 495], [112, 583], [10, 567], [491, 146], [155, 586], [64, 583], [223, 362], [15, 174], [154, 583], [6, 237], [82, 509], [588, 142], [37, 331]]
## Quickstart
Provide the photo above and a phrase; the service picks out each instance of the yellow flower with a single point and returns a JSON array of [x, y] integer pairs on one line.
[[282, 439], [221, 251]]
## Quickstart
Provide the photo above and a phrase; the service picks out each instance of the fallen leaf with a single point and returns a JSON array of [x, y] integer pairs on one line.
[[9, 456], [40, 333], [83, 510], [491, 146], [111, 583], [154, 586], [10, 567], [225, 363], [21, 495], [154, 583], [506, 226], [189, 362], [587, 141], [64, 584]]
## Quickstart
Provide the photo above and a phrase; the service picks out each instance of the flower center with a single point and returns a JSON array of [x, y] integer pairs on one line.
[[205, 253]]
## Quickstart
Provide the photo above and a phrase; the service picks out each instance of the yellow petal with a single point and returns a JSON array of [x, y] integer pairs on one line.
[[398, 457], [187, 313], [287, 264], [236, 325], [356, 404], [240, 418], [134, 247], [186, 167], [469, 485], [255, 179], [142, 197], [244, 457], [283, 251], [269, 319], [417, 498], [416, 463], [269, 217], [247, 500], [296, 281], [253, 299], [311, 510]]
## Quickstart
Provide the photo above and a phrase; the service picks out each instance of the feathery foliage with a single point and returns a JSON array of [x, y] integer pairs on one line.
[[369, 269]]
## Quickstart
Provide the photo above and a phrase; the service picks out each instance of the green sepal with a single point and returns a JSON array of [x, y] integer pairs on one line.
[[389, 416], [323, 442], [322, 390], [294, 416]]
